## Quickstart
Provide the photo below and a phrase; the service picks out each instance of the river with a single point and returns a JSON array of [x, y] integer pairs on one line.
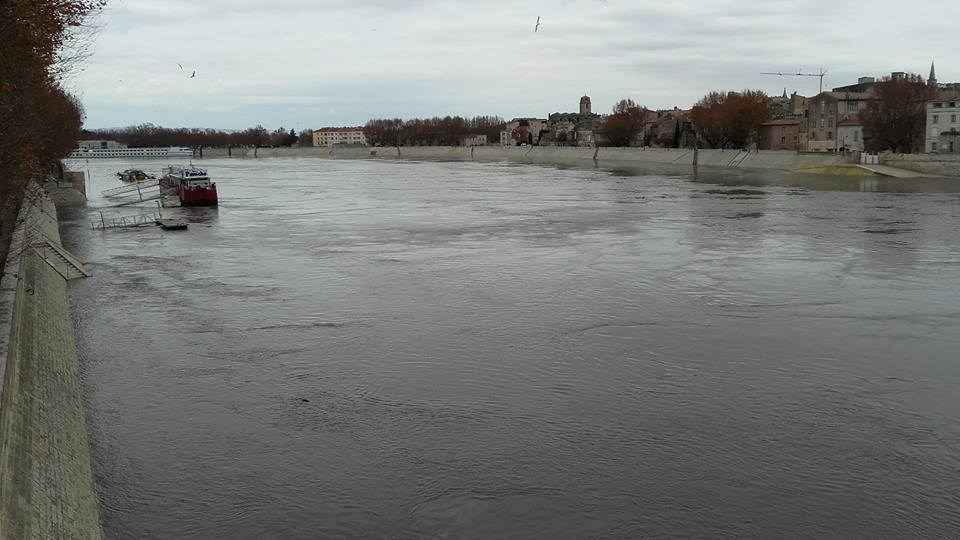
[[376, 349]]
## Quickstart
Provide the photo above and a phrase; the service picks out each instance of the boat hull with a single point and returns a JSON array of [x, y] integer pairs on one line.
[[198, 196]]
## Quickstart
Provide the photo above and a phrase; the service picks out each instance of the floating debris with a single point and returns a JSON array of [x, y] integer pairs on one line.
[[750, 192]]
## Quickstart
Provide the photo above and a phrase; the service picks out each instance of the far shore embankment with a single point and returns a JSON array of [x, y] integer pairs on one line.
[[603, 156], [926, 165]]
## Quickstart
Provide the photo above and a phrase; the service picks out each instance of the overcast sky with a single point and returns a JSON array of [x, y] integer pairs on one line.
[[315, 63]]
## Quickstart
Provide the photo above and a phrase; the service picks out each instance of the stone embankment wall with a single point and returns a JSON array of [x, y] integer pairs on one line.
[[764, 159], [937, 164], [46, 481]]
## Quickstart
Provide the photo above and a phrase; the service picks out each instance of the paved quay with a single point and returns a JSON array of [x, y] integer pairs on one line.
[[46, 482], [894, 172]]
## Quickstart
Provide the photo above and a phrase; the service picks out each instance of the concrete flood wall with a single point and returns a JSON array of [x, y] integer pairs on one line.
[[937, 164], [764, 159], [46, 480]]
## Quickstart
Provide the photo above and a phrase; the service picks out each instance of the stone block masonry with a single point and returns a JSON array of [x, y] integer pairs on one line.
[[46, 481], [548, 155], [932, 164]]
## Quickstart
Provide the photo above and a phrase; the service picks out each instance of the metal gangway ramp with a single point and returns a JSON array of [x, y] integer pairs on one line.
[[129, 189], [135, 193]]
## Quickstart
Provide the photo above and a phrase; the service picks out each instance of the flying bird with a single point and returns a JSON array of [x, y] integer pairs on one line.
[[194, 74], [181, 66], [535, 28]]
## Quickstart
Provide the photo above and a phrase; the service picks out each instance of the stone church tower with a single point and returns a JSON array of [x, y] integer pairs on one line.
[[585, 105]]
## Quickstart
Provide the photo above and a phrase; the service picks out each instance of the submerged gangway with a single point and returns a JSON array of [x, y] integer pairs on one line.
[[138, 220]]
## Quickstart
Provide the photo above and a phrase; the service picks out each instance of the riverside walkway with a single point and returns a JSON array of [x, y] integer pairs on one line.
[[893, 172]]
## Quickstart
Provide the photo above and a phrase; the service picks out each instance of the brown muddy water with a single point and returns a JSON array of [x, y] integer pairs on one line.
[[373, 349]]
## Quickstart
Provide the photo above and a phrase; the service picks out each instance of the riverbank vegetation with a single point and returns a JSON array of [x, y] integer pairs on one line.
[[729, 119], [42, 40], [149, 135], [625, 124], [896, 119], [446, 131]]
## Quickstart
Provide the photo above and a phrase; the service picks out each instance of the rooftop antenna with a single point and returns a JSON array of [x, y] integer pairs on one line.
[[800, 73]]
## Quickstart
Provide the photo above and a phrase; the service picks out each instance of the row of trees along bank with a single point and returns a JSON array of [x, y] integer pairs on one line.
[[42, 41], [149, 135], [721, 119], [446, 131]]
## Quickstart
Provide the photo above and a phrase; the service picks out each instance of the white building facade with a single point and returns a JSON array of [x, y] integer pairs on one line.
[[473, 140], [330, 136], [943, 123], [99, 144]]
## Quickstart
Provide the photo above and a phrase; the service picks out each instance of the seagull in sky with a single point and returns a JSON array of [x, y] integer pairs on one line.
[[194, 74], [538, 24], [181, 66]]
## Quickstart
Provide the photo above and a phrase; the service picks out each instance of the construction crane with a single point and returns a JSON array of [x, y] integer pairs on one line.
[[800, 73]]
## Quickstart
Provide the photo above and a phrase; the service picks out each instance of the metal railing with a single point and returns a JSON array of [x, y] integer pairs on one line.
[[138, 220]]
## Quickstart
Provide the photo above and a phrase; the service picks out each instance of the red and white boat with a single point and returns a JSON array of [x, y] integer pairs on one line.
[[191, 184]]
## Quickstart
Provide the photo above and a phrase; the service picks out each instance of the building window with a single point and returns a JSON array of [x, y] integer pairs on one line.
[[933, 146], [783, 140], [953, 119], [937, 105], [953, 103], [856, 136], [829, 135], [936, 119], [853, 106]]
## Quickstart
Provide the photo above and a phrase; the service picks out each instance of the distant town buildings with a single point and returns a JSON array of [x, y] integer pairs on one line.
[[558, 129], [332, 136], [574, 129], [667, 128], [827, 113], [524, 131], [780, 134], [831, 121]]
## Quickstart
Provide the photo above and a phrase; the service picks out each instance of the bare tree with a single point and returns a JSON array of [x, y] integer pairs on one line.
[[896, 119], [40, 121], [730, 119], [622, 127]]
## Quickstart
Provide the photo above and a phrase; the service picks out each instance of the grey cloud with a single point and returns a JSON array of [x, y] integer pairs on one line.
[[274, 62]]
